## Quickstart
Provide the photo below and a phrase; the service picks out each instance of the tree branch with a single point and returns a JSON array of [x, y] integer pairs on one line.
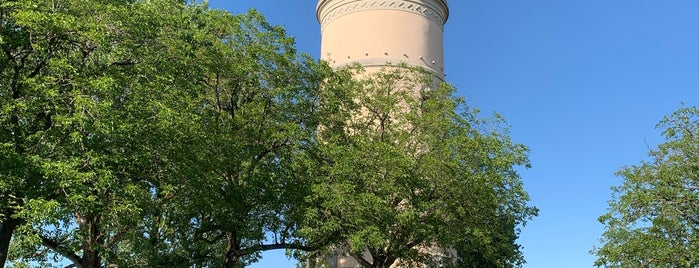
[[126, 62], [265, 247], [361, 260], [57, 247]]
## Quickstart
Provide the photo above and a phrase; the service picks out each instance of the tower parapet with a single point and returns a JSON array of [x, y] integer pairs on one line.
[[376, 33]]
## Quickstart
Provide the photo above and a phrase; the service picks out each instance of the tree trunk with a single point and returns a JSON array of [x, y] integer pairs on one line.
[[91, 242], [388, 261], [232, 258], [7, 227], [381, 262], [230, 261]]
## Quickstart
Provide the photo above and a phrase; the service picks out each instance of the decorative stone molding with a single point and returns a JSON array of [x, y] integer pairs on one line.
[[382, 63], [435, 10]]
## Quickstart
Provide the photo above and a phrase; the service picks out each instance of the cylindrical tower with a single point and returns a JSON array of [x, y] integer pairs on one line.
[[379, 33], [376, 32]]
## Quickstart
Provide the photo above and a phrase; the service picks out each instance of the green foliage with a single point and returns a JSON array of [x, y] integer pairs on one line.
[[652, 220], [258, 100], [161, 133], [84, 86], [152, 133], [412, 174]]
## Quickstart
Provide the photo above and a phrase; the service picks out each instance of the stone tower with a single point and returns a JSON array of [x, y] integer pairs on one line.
[[379, 33], [376, 32]]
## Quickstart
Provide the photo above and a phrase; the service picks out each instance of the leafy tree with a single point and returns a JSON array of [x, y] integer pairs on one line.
[[258, 113], [83, 96], [653, 220], [405, 177], [26, 113], [161, 133], [153, 133]]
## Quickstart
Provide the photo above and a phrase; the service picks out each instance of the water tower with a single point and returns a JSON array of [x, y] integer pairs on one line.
[[381, 33], [376, 32]]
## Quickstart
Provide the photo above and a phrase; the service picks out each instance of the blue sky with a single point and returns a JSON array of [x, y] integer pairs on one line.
[[581, 82]]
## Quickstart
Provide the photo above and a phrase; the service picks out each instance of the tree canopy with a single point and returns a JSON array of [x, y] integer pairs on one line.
[[163, 133], [152, 133], [407, 174], [653, 219]]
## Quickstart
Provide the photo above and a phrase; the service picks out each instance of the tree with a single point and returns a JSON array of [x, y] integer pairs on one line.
[[86, 83], [259, 102], [162, 133], [653, 218], [25, 115], [154, 133], [405, 177]]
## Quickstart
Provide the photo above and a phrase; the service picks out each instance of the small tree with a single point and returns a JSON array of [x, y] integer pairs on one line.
[[653, 219]]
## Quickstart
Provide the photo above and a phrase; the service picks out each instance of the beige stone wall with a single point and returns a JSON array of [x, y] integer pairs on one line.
[[374, 33]]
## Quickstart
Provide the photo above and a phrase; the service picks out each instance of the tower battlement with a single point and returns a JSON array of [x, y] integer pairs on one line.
[[378, 33]]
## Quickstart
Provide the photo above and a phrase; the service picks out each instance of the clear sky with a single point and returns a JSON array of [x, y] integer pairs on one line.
[[581, 82]]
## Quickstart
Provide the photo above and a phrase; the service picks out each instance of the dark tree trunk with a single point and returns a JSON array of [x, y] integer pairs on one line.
[[380, 262], [230, 261], [91, 242], [232, 249], [375, 261], [388, 261], [7, 227], [91, 258]]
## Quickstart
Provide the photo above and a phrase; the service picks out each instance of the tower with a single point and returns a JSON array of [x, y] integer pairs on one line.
[[380, 33], [376, 32]]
